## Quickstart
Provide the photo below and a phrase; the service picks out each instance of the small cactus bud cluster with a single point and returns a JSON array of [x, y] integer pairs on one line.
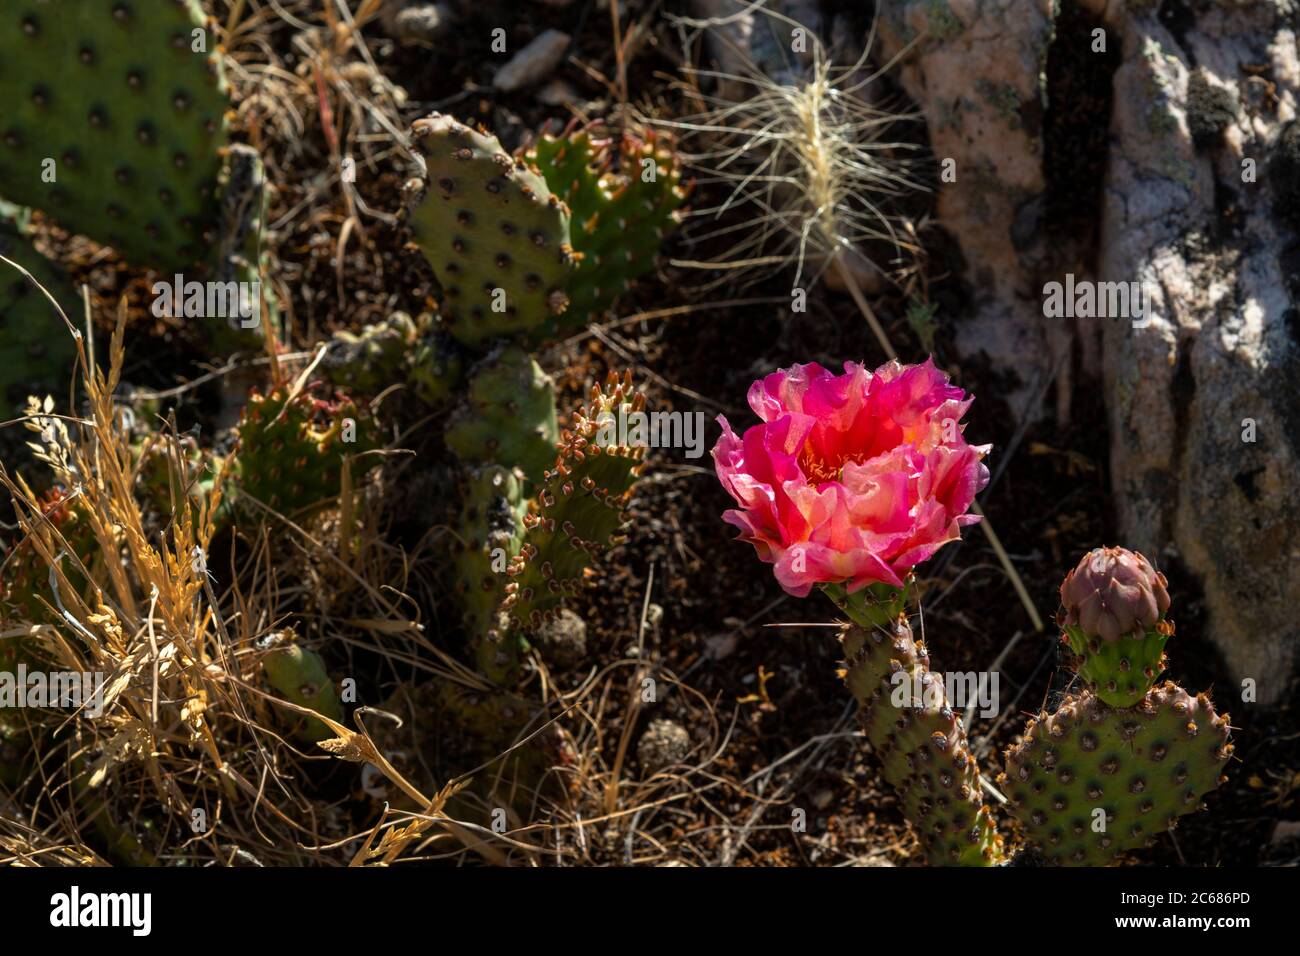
[[1112, 616]]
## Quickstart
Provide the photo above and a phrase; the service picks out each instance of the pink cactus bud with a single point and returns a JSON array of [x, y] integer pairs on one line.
[[1113, 592]]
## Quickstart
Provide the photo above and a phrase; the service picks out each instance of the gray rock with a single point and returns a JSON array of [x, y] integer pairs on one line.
[[1221, 349], [533, 63], [664, 743], [563, 641]]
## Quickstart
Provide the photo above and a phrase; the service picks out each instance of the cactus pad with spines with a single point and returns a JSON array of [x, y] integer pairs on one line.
[[131, 116], [922, 745], [495, 235], [24, 575], [290, 448], [620, 212], [508, 416], [491, 527], [1145, 766], [299, 674], [579, 509], [1121, 671]]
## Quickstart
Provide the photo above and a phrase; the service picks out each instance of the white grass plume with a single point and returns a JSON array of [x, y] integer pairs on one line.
[[807, 160]]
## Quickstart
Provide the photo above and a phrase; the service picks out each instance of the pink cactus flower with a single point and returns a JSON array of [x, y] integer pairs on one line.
[[851, 479]]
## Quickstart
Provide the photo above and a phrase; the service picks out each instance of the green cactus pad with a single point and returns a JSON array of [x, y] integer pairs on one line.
[[496, 237], [437, 368], [620, 212], [579, 513], [370, 362], [1145, 766], [131, 117], [922, 745], [36, 349], [1122, 671], [491, 528], [508, 417], [290, 448], [299, 674]]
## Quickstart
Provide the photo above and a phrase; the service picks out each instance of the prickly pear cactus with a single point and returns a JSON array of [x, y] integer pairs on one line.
[[1089, 781], [1117, 764], [623, 198], [113, 122], [290, 449], [36, 349], [508, 416], [299, 674], [578, 516], [495, 235], [493, 506], [921, 744]]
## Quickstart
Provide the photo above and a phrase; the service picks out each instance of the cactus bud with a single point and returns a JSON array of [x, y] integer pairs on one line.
[[1113, 592], [1112, 612]]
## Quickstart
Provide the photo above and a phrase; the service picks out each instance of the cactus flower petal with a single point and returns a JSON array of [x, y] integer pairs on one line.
[[852, 478]]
